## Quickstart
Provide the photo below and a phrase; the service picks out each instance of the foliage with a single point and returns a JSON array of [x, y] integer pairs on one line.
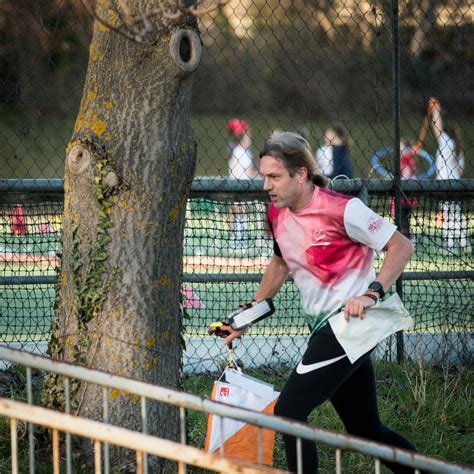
[[431, 406]]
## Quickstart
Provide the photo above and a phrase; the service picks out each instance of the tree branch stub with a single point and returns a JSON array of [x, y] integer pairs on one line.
[[78, 159]]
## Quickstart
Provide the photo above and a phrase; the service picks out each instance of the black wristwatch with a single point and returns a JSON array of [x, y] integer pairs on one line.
[[378, 288]]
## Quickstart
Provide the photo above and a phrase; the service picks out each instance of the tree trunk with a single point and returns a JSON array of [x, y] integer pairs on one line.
[[128, 173]]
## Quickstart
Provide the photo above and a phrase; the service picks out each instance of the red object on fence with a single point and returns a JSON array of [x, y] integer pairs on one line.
[[18, 221]]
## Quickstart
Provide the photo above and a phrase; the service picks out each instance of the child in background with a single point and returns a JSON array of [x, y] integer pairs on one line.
[[241, 167], [449, 165], [334, 157], [407, 171]]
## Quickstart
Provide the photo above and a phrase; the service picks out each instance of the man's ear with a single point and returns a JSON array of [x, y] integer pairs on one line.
[[302, 173]]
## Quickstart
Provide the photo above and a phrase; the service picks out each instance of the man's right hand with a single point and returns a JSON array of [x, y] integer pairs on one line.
[[433, 104]]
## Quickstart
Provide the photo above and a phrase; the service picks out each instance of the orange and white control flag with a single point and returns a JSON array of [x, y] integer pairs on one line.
[[241, 440]]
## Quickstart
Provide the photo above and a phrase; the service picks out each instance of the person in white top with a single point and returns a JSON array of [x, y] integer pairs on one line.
[[449, 165], [241, 167], [327, 241]]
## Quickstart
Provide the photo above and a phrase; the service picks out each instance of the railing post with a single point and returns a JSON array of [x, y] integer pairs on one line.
[[14, 445], [299, 456], [67, 397], [145, 431], [105, 409], [31, 439], [56, 451]]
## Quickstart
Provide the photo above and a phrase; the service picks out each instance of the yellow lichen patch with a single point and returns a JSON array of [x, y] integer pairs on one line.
[[69, 341], [136, 398], [136, 343], [155, 361], [148, 364], [102, 27], [90, 120], [108, 340], [166, 281], [115, 313], [99, 127], [95, 53], [151, 342], [114, 394], [91, 95], [174, 213], [64, 280], [136, 363], [108, 105]]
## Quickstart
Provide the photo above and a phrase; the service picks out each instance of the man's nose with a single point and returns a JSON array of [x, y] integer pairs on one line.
[[266, 184]]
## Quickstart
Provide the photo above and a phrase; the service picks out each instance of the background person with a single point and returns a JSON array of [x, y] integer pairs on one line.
[[449, 165], [407, 171], [241, 167], [241, 162], [334, 157], [327, 241]]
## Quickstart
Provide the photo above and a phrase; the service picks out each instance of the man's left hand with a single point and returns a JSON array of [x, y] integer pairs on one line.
[[355, 307]]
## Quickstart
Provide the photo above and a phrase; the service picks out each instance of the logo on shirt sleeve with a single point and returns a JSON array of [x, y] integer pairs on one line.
[[375, 224]]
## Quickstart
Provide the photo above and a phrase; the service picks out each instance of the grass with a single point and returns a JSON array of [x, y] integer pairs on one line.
[[34, 147], [431, 406]]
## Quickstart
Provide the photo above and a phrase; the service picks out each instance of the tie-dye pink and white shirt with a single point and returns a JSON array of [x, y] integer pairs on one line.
[[329, 249]]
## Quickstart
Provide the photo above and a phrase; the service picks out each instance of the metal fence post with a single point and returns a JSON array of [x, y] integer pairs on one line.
[[396, 147]]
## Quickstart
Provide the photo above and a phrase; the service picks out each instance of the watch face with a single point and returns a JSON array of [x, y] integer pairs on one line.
[[376, 286]]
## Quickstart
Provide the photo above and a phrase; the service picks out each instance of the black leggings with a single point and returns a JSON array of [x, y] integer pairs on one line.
[[351, 389]]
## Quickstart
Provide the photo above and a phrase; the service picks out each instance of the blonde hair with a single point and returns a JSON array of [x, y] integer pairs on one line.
[[294, 151]]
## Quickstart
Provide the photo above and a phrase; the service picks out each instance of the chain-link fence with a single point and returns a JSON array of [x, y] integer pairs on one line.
[[354, 78]]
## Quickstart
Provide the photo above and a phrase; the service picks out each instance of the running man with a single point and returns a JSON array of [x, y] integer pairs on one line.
[[327, 241]]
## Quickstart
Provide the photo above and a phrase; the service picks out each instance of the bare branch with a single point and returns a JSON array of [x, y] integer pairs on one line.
[[198, 10], [136, 27]]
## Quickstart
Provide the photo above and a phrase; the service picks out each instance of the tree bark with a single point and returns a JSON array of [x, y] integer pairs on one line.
[[128, 172]]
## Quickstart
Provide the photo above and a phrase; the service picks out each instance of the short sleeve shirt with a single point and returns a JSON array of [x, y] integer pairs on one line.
[[241, 163], [329, 248], [448, 165]]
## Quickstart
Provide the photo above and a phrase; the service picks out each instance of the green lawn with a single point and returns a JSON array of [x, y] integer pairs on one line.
[[431, 406], [35, 147]]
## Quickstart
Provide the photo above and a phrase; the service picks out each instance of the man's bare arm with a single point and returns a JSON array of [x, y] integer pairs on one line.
[[275, 275], [398, 252]]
